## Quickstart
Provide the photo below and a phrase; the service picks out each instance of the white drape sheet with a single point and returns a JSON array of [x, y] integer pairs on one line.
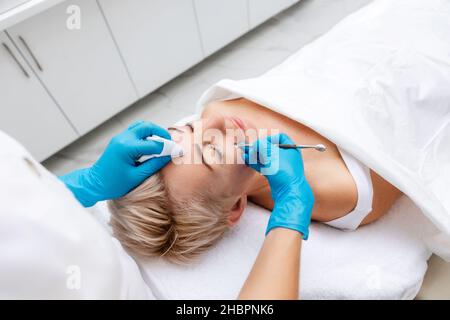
[[377, 85]]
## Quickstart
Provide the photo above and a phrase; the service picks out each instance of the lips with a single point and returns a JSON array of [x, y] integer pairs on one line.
[[239, 123]]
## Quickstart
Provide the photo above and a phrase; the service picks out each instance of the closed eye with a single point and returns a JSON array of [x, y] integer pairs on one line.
[[199, 149], [214, 147]]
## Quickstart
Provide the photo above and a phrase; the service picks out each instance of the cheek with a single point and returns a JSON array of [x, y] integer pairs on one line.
[[237, 173], [231, 154]]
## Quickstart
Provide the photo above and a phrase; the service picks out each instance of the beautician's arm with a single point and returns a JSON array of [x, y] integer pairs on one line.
[[275, 274], [117, 172]]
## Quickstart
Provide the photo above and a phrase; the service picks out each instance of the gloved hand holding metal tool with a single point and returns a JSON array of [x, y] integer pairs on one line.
[[283, 168]]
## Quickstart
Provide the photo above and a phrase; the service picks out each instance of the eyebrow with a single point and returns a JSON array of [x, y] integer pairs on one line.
[[175, 129]]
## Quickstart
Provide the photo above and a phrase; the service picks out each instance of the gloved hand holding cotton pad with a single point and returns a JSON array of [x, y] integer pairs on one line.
[[170, 148]]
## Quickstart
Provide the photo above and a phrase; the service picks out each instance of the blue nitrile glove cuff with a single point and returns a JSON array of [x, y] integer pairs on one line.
[[292, 213], [83, 189]]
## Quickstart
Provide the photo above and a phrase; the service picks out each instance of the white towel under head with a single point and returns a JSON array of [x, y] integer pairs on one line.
[[384, 260]]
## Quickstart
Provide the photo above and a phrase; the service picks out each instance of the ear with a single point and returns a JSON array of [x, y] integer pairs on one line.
[[238, 209]]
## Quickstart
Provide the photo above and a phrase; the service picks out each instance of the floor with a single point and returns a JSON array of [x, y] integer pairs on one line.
[[249, 56]]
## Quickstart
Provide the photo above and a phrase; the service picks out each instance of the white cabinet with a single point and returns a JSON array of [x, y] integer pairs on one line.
[[27, 111], [6, 5], [221, 22], [261, 10], [80, 67], [66, 70], [158, 39]]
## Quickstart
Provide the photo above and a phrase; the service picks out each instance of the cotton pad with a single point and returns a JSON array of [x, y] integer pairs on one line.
[[170, 148]]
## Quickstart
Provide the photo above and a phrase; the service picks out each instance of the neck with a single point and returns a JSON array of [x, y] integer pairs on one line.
[[259, 192], [256, 184]]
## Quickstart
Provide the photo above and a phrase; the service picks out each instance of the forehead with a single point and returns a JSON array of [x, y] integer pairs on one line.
[[185, 178]]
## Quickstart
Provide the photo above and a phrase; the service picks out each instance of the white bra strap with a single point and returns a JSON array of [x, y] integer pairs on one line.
[[361, 176]]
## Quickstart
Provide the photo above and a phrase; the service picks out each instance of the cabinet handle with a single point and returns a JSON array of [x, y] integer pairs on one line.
[[15, 59], [31, 53]]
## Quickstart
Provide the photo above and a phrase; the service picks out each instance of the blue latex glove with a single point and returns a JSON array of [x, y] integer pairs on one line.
[[290, 191], [116, 172]]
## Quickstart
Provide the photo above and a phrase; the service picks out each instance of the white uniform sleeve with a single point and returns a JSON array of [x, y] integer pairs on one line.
[[50, 246]]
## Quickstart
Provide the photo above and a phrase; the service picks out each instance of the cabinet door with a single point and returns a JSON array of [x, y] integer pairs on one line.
[[159, 39], [27, 111], [81, 67], [261, 10], [221, 22]]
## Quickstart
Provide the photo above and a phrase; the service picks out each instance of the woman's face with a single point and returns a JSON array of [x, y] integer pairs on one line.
[[211, 159]]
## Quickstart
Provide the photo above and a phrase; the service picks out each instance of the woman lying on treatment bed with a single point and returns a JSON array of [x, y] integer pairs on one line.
[[186, 208]]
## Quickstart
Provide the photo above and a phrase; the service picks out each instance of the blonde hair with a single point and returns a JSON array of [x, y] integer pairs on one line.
[[150, 221]]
